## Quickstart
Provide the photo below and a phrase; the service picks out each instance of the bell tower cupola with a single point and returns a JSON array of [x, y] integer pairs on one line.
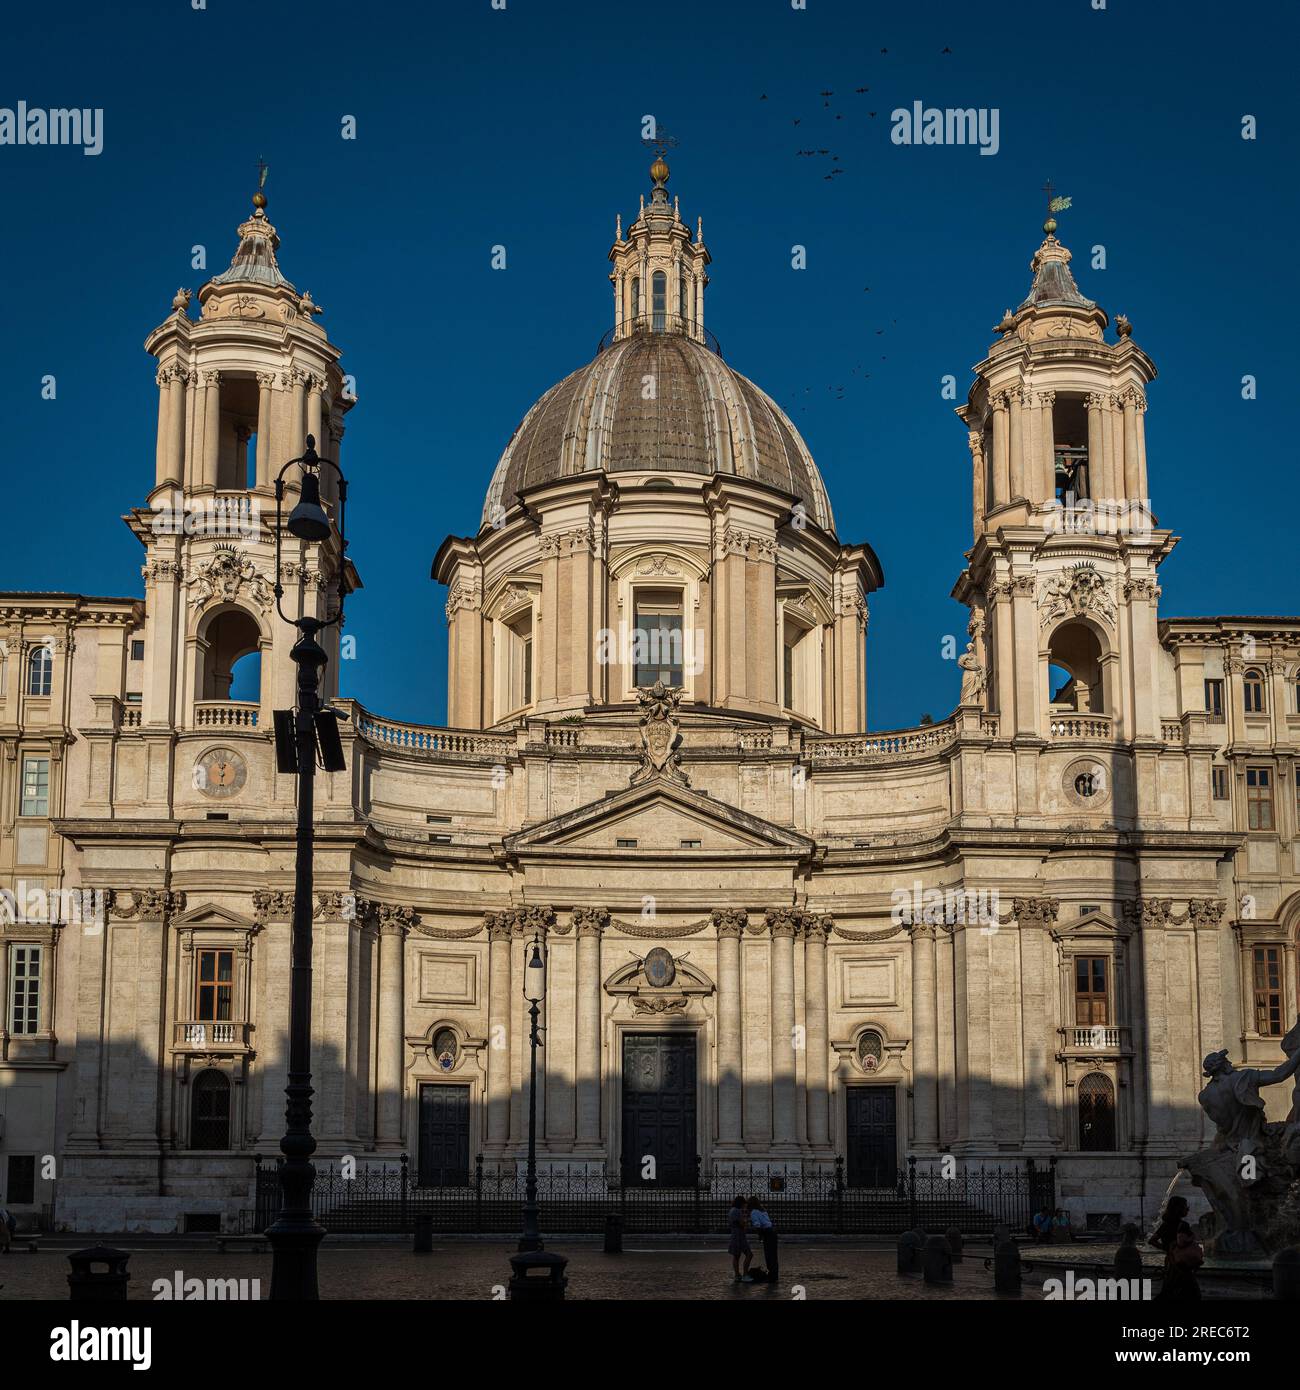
[[1061, 580], [659, 272]]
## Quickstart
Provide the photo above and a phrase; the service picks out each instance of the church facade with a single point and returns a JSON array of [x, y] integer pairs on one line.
[[771, 938]]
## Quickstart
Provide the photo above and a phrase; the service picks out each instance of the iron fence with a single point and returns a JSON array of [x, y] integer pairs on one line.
[[383, 1198]]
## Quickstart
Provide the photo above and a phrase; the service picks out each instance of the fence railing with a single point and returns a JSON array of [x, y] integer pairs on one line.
[[386, 1198]]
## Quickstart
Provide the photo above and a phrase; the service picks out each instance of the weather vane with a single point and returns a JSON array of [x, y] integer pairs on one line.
[[263, 169], [659, 142], [1054, 205]]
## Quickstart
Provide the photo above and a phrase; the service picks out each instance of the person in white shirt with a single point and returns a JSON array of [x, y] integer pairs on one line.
[[761, 1222]]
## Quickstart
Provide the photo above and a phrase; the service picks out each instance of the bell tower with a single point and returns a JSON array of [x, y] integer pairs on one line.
[[1061, 580], [240, 389]]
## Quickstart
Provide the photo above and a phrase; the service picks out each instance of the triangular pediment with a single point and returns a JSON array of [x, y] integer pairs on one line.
[[660, 815], [1094, 924], [210, 915]]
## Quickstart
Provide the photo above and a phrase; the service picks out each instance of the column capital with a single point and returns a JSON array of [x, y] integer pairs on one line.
[[729, 921], [590, 921], [266, 380]]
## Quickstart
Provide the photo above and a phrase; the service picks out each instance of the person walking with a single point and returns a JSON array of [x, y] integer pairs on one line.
[[737, 1245], [7, 1225], [761, 1222]]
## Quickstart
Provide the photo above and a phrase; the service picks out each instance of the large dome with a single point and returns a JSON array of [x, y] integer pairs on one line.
[[659, 402]]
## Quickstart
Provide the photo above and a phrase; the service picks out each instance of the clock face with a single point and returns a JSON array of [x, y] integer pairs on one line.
[[220, 772]]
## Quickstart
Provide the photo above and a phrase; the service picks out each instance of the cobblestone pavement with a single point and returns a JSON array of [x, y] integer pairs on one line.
[[480, 1269]]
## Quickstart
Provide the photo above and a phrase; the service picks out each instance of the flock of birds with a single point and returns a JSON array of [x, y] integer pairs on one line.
[[824, 152]]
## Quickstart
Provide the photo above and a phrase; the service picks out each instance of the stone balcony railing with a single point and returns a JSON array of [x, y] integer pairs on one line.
[[1072, 726], [209, 1035], [1096, 1038], [226, 714], [898, 743], [424, 738]]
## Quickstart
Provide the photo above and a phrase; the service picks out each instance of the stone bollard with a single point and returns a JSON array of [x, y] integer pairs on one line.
[[423, 1235], [938, 1261], [613, 1234], [1006, 1266], [1286, 1274], [538, 1276], [954, 1244], [89, 1285], [909, 1252]]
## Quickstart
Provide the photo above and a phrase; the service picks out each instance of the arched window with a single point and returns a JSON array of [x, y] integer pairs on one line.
[[1253, 691], [871, 1050], [445, 1048], [40, 670], [683, 309], [232, 662], [210, 1111], [636, 296], [1096, 1114], [659, 305]]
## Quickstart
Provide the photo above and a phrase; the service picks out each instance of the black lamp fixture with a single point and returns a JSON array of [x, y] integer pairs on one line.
[[301, 735], [535, 993]]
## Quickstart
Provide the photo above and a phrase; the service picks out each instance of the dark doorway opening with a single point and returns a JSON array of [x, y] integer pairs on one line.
[[659, 1109], [871, 1120], [444, 1136]]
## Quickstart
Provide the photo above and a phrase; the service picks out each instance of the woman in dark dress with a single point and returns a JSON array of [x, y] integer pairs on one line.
[[737, 1244]]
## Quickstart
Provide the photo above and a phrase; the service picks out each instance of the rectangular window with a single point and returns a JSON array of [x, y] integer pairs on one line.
[[137, 649], [1091, 997], [690, 844], [25, 989], [1259, 798], [625, 844], [215, 986], [1268, 991], [658, 641], [528, 669], [1252, 690], [787, 675], [1219, 783], [20, 1189], [1214, 699], [36, 787]]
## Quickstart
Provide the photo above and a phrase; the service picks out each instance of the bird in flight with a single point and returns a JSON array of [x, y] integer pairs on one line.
[[860, 90], [825, 94], [797, 119], [763, 97], [947, 50]]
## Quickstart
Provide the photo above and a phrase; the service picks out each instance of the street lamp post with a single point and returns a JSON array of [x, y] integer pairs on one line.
[[534, 992], [295, 1235]]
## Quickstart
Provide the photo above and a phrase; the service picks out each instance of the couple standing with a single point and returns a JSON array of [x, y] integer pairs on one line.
[[748, 1214]]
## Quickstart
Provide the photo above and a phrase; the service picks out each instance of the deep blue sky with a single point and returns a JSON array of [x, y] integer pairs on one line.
[[522, 127]]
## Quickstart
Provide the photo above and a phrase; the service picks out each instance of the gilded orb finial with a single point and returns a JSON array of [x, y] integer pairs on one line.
[[1050, 226], [659, 171]]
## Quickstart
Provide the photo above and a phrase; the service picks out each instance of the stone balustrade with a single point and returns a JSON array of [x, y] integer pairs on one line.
[[226, 714], [1071, 726], [930, 738], [209, 1035]]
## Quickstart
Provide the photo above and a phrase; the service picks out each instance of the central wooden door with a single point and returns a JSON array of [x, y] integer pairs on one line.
[[444, 1136], [659, 1108], [871, 1123]]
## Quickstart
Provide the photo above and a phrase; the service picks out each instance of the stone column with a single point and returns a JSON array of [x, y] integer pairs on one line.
[[1140, 438], [296, 380], [315, 409], [1001, 463], [729, 923], [180, 379], [163, 454], [1132, 483], [1017, 444], [1100, 482], [498, 1057], [925, 1040], [392, 1027], [589, 923], [1047, 444], [265, 381], [783, 927], [1034, 920], [818, 1032], [979, 486], [211, 427]]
